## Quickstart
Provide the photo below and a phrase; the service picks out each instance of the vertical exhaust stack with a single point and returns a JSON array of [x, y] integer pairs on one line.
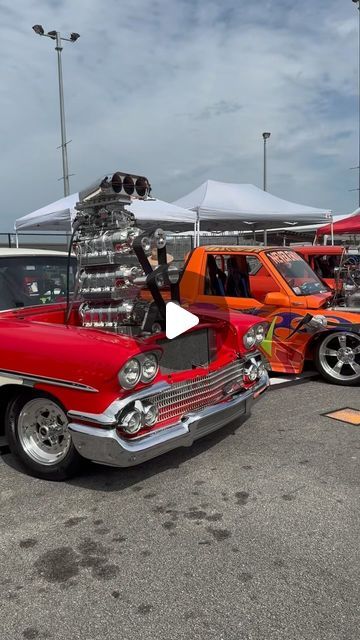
[[112, 254]]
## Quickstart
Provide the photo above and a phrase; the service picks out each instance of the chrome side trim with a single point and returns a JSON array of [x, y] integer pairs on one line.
[[30, 379]]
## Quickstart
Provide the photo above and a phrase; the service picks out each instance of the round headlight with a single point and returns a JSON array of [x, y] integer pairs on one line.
[[149, 367], [251, 373], [131, 421], [151, 413], [130, 374], [261, 369], [259, 333], [249, 338]]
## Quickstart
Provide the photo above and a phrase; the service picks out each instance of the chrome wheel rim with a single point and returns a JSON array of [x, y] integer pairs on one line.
[[339, 355], [43, 431]]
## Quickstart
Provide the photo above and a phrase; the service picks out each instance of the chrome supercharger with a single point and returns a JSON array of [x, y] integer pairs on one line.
[[118, 289]]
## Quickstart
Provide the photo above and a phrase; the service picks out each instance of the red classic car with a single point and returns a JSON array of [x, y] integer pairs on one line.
[[95, 377]]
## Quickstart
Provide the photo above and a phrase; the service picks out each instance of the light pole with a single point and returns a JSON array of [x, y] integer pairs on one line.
[[266, 135], [358, 6], [55, 35]]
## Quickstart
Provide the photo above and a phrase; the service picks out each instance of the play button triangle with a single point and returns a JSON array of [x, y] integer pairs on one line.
[[178, 320]]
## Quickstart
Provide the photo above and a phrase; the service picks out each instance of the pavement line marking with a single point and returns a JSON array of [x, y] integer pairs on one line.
[[348, 415], [279, 381]]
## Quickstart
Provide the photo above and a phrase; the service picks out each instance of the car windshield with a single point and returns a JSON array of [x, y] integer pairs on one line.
[[298, 274], [32, 280]]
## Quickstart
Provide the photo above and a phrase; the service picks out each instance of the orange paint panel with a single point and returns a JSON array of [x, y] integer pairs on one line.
[[351, 416]]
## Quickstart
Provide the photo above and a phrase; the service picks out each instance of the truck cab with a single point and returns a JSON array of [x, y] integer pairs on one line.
[[277, 284]]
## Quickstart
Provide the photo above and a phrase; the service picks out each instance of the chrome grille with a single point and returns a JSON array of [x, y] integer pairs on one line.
[[201, 392]]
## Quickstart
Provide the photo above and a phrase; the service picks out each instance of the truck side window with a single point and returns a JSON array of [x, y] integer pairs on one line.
[[237, 284], [261, 280], [215, 279], [231, 280]]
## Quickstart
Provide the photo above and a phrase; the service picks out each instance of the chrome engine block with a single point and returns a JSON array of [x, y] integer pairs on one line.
[[110, 277], [348, 282]]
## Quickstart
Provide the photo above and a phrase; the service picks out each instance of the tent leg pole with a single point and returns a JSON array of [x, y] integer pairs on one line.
[[265, 237], [254, 236], [332, 231], [198, 229], [16, 240], [195, 234]]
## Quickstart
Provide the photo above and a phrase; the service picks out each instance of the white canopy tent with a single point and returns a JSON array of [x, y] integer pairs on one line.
[[230, 206], [59, 215]]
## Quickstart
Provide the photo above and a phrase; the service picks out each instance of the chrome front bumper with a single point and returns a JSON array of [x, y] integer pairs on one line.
[[106, 446]]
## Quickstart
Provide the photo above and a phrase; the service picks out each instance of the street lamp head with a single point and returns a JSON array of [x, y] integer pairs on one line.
[[266, 135], [74, 36], [51, 34], [38, 29]]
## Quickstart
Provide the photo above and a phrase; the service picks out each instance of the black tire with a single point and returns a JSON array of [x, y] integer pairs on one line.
[[69, 462], [343, 345]]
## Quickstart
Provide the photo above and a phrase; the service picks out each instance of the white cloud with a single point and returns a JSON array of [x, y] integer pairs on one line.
[[181, 90]]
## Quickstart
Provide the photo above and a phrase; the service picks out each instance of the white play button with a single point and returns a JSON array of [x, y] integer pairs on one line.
[[178, 320]]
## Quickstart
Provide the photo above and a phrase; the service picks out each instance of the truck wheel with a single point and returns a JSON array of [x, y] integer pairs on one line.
[[337, 358], [37, 433]]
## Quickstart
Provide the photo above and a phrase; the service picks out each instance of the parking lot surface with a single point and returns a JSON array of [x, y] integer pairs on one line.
[[252, 534]]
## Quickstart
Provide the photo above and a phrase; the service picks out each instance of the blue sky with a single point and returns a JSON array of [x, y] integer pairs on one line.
[[181, 91]]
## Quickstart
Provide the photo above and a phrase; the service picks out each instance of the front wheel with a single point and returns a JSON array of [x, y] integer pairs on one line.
[[337, 358], [37, 432]]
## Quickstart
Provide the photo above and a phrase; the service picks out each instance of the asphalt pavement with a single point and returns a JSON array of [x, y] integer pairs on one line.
[[252, 534]]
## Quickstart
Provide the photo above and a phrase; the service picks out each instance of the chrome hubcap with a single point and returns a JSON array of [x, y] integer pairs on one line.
[[346, 355], [340, 355], [43, 432]]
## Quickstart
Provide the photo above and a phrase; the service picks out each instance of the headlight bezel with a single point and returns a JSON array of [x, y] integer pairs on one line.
[[255, 335], [129, 416], [151, 414], [249, 339], [260, 332], [123, 381], [142, 376], [145, 378]]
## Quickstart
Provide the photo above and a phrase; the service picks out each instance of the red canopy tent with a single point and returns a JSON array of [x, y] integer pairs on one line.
[[349, 225]]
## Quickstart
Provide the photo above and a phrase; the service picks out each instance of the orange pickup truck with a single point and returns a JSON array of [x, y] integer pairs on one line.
[[277, 284]]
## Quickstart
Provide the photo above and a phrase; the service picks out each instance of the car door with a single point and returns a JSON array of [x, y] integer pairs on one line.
[[266, 285], [216, 285]]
